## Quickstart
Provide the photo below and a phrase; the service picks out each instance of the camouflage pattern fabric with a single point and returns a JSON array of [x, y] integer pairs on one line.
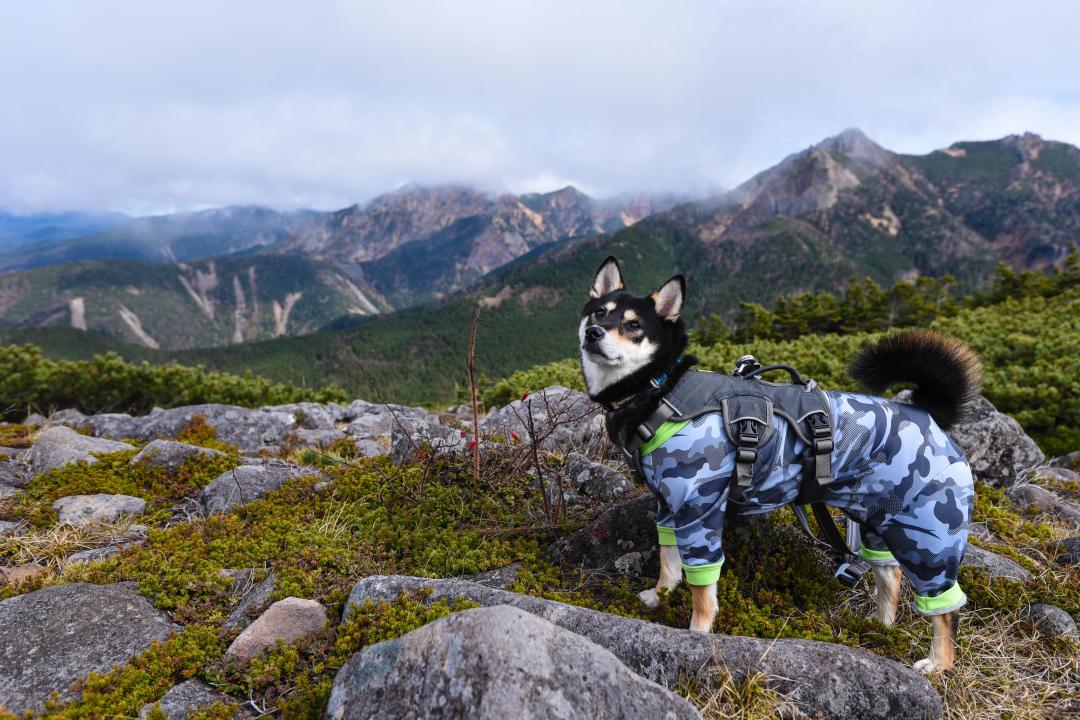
[[898, 475]]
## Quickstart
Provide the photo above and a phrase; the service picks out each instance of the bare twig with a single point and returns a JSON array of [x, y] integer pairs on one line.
[[472, 393]]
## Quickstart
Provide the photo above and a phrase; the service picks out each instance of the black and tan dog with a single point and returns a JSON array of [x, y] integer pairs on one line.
[[892, 468]]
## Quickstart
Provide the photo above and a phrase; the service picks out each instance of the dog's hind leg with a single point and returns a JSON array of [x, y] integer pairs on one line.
[[705, 607], [887, 582], [670, 576], [943, 647]]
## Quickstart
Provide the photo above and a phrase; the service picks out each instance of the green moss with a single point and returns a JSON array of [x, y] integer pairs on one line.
[[16, 435], [296, 679], [114, 474], [993, 507], [199, 432], [376, 519], [122, 692]]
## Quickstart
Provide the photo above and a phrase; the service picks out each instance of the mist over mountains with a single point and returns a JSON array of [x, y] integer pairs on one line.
[[397, 276]]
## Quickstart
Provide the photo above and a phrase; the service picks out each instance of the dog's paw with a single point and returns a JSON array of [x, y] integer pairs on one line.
[[649, 598], [926, 666]]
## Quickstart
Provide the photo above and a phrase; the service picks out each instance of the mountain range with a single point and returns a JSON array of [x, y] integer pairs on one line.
[[843, 208]]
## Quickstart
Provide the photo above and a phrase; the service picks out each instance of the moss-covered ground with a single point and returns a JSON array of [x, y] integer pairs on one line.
[[432, 518]]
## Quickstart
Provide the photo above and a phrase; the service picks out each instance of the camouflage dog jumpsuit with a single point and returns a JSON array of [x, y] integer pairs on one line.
[[897, 474]]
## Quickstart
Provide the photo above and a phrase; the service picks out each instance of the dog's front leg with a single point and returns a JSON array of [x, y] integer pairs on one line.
[[670, 576], [943, 648], [705, 607]]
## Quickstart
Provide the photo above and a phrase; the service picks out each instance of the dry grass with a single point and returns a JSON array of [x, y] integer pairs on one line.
[[718, 695], [49, 547], [1004, 668]]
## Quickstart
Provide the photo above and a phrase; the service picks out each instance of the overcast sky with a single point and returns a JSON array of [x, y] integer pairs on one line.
[[161, 105]]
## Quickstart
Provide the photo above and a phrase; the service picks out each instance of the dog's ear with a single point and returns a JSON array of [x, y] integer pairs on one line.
[[669, 298], [608, 278]]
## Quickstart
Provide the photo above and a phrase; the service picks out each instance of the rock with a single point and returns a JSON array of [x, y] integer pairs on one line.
[[86, 509], [58, 446], [493, 663], [288, 620], [245, 428], [317, 438], [34, 419], [10, 452], [999, 450], [63, 633], [501, 578], [370, 448], [596, 481], [68, 418], [1052, 475], [171, 454], [7, 527], [994, 565], [621, 541], [1068, 552], [821, 678], [1038, 499], [980, 531], [253, 600], [18, 574], [1050, 620], [562, 417], [410, 435], [313, 416], [102, 553], [246, 483], [1070, 461], [187, 698], [15, 473]]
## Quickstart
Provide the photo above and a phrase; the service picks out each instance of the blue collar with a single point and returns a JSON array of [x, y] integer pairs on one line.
[[655, 383]]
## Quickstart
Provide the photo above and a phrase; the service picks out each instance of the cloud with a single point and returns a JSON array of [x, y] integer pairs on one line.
[[160, 106]]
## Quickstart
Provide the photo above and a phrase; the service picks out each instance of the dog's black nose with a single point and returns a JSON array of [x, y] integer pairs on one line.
[[594, 333]]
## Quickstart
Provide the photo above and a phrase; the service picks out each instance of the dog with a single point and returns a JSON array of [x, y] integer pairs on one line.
[[895, 472]]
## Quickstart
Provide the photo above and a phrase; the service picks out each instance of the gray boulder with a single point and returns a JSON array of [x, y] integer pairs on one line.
[[86, 509], [994, 565], [408, 436], [188, 697], [55, 636], [999, 450], [69, 417], [313, 416], [58, 446], [595, 480], [101, 553], [1068, 552], [1070, 461], [34, 419], [821, 678], [171, 454], [1037, 499], [1050, 620], [563, 418], [494, 663], [15, 473], [1055, 475], [245, 428], [319, 438], [246, 483], [622, 541]]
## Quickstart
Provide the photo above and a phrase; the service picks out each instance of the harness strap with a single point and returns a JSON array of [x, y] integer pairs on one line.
[[747, 440], [851, 567]]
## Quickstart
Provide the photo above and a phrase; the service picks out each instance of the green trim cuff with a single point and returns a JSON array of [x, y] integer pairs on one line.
[[952, 599], [877, 557], [667, 535], [703, 574], [663, 434]]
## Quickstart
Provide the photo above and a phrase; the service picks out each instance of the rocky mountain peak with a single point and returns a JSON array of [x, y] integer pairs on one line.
[[854, 145]]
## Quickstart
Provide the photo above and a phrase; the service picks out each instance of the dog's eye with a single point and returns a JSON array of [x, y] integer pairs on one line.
[[633, 325], [600, 313]]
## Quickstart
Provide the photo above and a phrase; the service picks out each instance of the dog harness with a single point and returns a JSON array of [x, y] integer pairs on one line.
[[718, 442]]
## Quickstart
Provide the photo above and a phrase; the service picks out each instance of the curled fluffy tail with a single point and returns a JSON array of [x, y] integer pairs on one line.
[[946, 373]]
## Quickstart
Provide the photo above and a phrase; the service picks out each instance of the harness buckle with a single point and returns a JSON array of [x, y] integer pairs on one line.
[[849, 572]]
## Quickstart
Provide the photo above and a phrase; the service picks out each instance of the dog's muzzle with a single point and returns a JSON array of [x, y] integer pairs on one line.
[[594, 333]]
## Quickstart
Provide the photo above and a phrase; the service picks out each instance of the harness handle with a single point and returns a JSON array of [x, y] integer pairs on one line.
[[795, 376]]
